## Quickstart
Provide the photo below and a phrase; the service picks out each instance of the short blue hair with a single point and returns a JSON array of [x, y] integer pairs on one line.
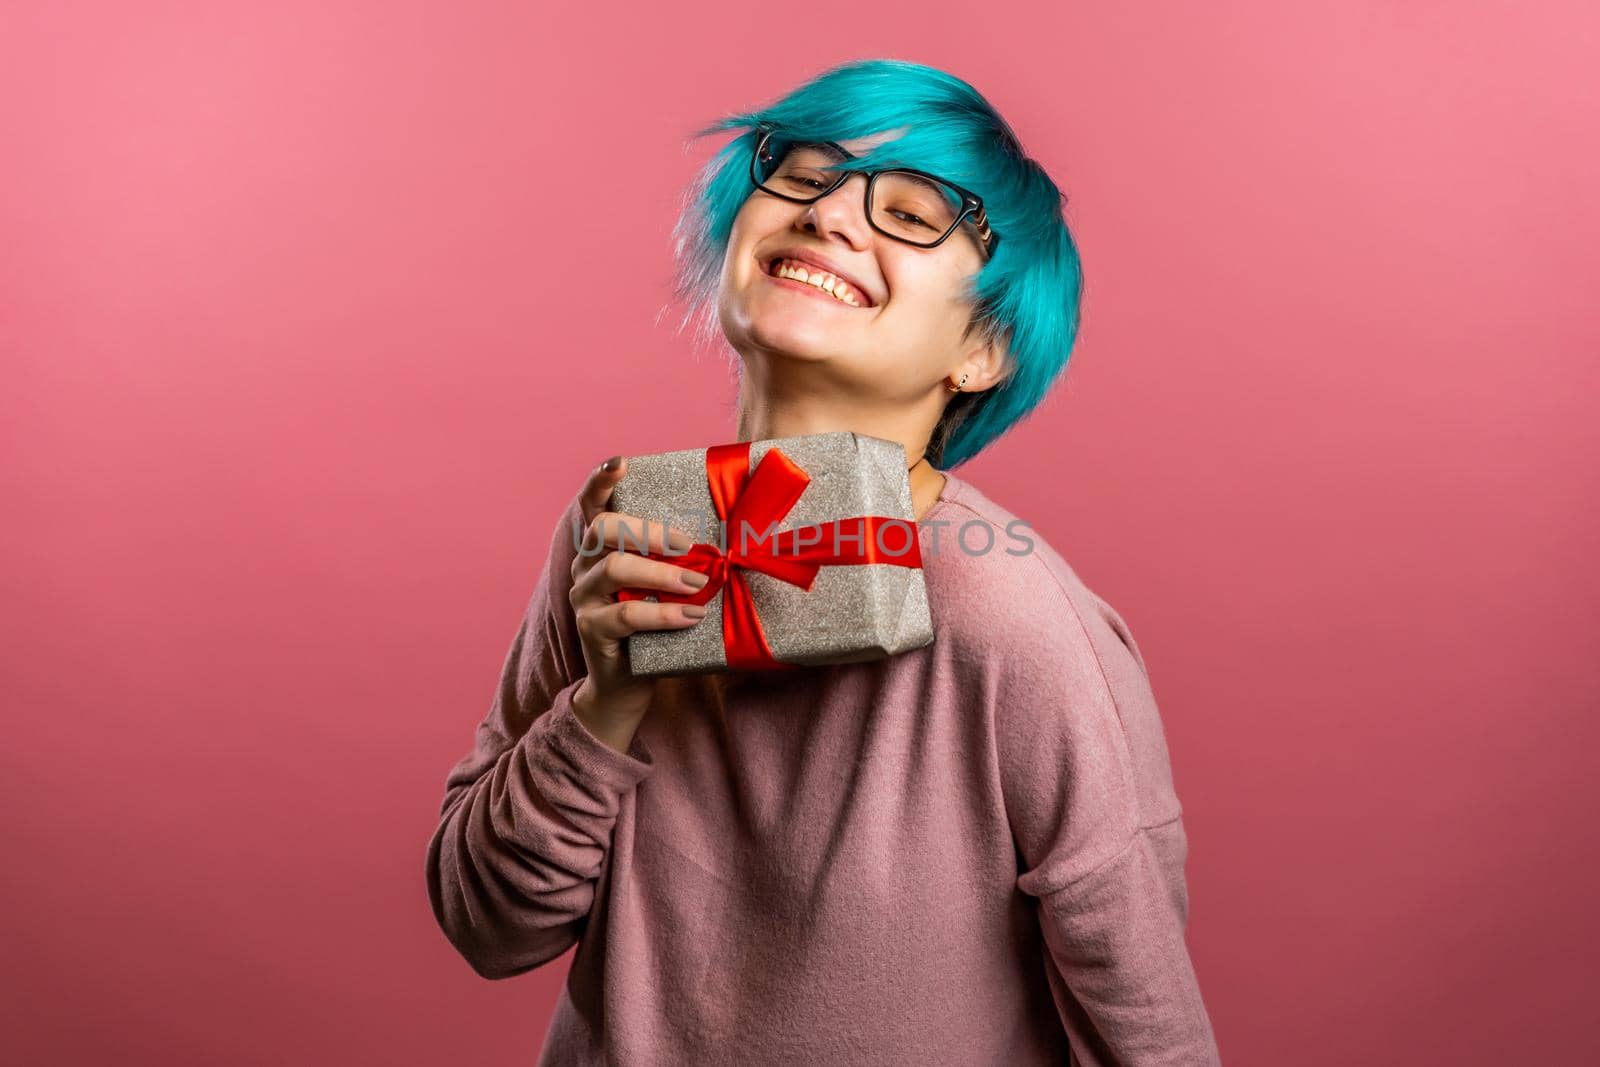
[[1028, 296]]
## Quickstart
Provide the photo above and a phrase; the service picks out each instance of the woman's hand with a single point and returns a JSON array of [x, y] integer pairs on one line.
[[611, 702]]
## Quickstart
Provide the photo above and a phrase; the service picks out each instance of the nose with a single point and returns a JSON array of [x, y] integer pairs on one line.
[[841, 213]]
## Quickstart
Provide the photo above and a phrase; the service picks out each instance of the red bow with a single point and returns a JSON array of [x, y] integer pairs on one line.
[[761, 500]]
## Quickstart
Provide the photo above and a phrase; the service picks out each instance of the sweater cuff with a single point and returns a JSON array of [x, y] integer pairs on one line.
[[580, 750]]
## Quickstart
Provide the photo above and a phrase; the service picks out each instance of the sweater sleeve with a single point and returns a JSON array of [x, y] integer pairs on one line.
[[526, 821], [1088, 794]]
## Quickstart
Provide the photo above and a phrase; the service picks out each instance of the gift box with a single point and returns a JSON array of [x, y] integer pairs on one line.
[[810, 545]]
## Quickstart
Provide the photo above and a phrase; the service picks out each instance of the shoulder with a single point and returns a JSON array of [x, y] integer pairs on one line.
[[1000, 587], [1046, 651]]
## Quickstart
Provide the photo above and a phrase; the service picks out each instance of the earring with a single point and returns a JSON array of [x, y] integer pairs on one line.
[[957, 388]]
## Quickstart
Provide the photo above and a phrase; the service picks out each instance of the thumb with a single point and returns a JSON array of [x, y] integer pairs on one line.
[[596, 494]]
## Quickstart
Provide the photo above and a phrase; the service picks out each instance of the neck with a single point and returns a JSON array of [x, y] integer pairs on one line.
[[770, 407]]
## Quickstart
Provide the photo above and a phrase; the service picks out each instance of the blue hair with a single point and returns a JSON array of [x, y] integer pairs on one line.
[[1027, 297]]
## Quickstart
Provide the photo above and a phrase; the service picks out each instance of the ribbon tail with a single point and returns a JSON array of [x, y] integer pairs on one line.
[[743, 638]]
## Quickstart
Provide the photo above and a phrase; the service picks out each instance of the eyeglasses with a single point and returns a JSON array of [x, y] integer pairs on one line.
[[907, 205]]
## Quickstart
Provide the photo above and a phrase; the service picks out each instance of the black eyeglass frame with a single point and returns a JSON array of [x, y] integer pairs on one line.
[[971, 203]]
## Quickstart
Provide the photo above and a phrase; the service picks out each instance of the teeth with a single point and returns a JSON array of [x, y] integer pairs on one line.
[[835, 287]]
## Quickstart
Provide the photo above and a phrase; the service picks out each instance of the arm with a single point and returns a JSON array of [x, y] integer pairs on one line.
[[527, 815], [1088, 792]]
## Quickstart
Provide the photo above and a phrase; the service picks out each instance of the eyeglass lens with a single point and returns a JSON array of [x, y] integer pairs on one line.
[[906, 206]]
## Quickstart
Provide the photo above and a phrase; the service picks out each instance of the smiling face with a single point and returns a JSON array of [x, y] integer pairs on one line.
[[815, 282]]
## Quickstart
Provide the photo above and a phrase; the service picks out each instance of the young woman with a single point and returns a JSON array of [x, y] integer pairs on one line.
[[970, 853]]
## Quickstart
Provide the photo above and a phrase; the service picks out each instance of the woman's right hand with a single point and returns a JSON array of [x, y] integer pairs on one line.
[[610, 701]]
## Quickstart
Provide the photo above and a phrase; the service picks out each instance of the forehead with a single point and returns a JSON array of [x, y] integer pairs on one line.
[[861, 145]]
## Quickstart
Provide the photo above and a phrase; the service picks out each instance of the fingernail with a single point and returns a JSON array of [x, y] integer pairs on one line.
[[611, 464], [694, 611], [693, 579]]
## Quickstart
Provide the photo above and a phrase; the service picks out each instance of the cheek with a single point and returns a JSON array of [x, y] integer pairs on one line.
[[758, 219], [741, 242], [926, 297]]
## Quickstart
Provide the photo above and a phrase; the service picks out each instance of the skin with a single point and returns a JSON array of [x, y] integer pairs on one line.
[[812, 364]]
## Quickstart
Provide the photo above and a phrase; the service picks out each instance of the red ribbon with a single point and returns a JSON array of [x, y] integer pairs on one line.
[[762, 499]]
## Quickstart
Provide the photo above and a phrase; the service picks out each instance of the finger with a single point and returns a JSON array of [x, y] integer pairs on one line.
[[613, 622], [632, 533], [624, 570], [596, 494], [616, 531]]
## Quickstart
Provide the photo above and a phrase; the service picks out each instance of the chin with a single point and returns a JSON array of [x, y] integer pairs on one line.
[[793, 332], [797, 340]]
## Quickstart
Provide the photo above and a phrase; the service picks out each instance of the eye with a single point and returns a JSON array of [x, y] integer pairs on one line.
[[907, 216], [809, 181]]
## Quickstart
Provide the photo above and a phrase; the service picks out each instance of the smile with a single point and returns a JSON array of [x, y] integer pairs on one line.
[[810, 275]]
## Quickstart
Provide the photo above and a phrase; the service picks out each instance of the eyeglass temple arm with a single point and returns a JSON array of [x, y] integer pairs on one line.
[[980, 219]]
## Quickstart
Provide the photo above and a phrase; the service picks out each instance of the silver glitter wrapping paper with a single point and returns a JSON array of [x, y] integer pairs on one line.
[[852, 613]]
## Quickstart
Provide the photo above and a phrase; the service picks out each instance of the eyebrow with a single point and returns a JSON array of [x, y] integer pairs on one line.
[[830, 147], [930, 186]]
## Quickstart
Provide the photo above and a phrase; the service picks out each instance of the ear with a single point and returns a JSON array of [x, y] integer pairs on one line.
[[984, 365]]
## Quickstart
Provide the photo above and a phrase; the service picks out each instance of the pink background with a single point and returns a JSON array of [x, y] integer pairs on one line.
[[314, 315]]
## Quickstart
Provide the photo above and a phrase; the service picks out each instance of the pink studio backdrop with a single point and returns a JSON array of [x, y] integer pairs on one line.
[[314, 315]]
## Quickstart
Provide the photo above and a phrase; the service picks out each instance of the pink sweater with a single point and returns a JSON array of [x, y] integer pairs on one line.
[[966, 854]]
